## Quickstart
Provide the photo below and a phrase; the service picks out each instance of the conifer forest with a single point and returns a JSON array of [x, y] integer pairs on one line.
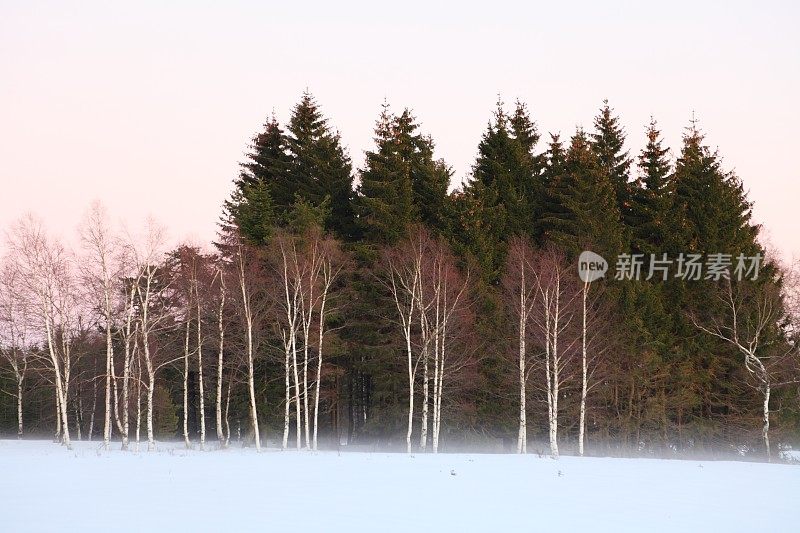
[[392, 307]]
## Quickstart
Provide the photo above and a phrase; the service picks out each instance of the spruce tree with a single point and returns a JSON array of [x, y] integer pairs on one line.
[[263, 174], [586, 212], [652, 196], [506, 189], [608, 143], [319, 168], [429, 178], [385, 198], [401, 183], [711, 203], [267, 163], [712, 215]]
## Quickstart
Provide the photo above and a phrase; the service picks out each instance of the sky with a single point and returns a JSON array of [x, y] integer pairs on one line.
[[149, 106]]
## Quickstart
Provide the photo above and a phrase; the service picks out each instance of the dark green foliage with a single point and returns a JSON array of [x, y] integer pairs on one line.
[[586, 214], [505, 194], [653, 195], [608, 142], [712, 209], [319, 169], [307, 164], [401, 183]]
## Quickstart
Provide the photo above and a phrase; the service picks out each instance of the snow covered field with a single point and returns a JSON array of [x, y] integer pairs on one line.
[[44, 487]]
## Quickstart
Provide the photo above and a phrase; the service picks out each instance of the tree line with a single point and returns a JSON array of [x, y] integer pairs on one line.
[[383, 306]]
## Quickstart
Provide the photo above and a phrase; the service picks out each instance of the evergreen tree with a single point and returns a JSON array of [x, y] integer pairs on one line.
[[555, 169], [713, 210], [401, 183], [268, 163], [586, 210], [264, 173], [429, 178], [319, 168], [608, 143], [385, 198], [506, 189], [652, 195], [252, 211]]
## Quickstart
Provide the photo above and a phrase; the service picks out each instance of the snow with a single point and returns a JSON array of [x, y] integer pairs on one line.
[[44, 487]]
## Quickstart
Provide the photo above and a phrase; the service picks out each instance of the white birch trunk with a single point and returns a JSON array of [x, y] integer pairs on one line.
[[319, 358], [250, 355], [221, 328], [186, 387], [57, 435], [200, 388], [151, 441], [295, 375], [288, 396], [765, 428], [522, 437], [109, 365], [19, 406], [584, 376], [62, 410], [556, 373], [227, 419], [138, 406]]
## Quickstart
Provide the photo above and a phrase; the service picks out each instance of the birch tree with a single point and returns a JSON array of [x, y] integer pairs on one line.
[[46, 279], [14, 335], [752, 323], [404, 270], [520, 286], [101, 273], [151, 286], [291, 287], [332, 262], [553, 316], [219, 278], [448, 320], [247, 269]]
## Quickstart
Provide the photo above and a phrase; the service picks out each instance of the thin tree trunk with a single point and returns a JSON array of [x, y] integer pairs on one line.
[[151, 441], [221, 326], [306, 333], [94, 408], [186, 387], [319, 363], [78, 415], [201, 390], [288, 398], [138, 406], [298, 432], [522, 437], [584, 380], [126, 378], [765, 429], [227, 419], [556, 376], [57, 436], [410, 392], [251, 389], [423, 436], [19, 407], [109, 366], [62, 427]]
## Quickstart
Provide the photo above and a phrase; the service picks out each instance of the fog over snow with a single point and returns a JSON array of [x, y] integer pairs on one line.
[[46, 487]]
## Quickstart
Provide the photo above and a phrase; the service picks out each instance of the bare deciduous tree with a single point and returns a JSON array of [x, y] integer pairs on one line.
[[753, 322]]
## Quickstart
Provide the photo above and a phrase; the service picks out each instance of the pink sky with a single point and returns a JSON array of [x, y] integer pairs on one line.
[[149, 108]]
